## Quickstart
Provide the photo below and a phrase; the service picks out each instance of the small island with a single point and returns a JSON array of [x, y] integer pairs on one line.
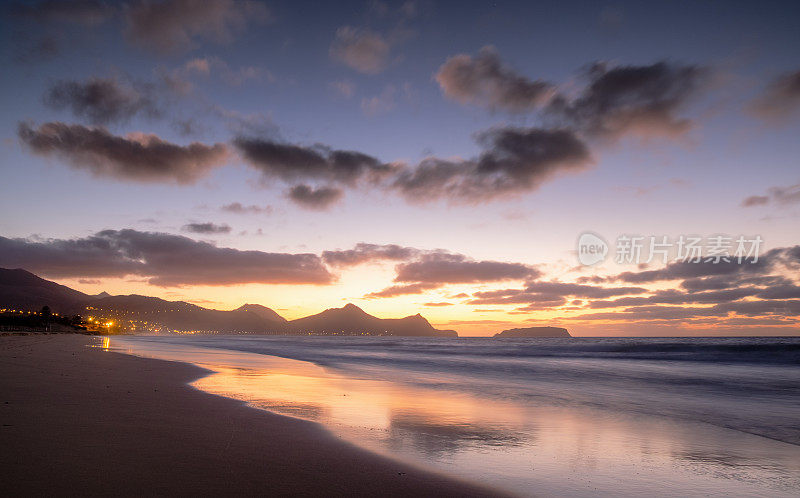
[[534, 332]]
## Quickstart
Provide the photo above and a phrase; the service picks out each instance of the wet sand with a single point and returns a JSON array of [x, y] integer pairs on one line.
[[78, 420]]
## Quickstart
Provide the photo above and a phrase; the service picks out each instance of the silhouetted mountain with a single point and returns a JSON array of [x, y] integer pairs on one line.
[[153, 313], [534, 332], [21, 289], [264, 312], [352, 320]]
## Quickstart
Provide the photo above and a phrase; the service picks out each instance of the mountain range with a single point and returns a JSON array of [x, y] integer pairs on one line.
[[22, 290]]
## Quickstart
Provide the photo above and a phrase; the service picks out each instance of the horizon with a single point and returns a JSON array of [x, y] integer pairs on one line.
[[487, 165]]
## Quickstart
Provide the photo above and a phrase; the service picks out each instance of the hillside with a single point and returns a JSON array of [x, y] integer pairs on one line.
[[152, 313], [352, 320], [20, 289]]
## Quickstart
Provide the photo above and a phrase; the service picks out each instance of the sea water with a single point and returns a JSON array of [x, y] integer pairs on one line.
[[629, 416]]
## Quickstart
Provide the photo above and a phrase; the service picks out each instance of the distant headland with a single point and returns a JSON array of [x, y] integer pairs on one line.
[[534, 332]]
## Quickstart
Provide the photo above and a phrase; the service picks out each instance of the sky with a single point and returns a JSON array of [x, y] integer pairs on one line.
[[421, 156]]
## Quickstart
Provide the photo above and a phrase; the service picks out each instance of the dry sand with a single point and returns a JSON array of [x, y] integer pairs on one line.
[[82, 421]]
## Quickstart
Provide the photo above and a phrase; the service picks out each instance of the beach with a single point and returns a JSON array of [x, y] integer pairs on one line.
[[547, 417], [81, 420]]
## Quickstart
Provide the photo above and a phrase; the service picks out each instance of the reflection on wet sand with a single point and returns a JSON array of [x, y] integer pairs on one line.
[[521, 447]]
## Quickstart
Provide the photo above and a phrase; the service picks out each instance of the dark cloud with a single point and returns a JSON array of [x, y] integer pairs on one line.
[[760, 308], [780, 99], [291, 162], [432, 269], [136, 157], [319, 198], [688, 270], [711, 292], [206, 228], [517, 296], [403, 289], [164, 259], [755, 200], [484, 80], [238, 208], [177, 25], [84, 12], [749, 271], [367, 253], [639, 100], [578, 290], [672, 296], [727, 281], [102, 100], [781, 196], [444, 268], [544, 295], [362, 49], [514, 160]]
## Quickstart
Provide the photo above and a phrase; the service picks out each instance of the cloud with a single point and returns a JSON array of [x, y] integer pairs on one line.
[[136, 157], [175, 26], [429, 270], [638, 100], [780, 100], [206, 228], [486, 81], [89, 281], [436, 305], [679, 270], [291, 162], [578, 290], [444, 268], [238, 208], [781, 196], [102, 100], [318, 198], [514, 160], [368, 253], [764, 289], [83, 12], [362, 49], [402, 290], [539, 295], [164, 259], [755, 200]]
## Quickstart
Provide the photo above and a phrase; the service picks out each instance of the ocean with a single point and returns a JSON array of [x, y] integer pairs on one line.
[[712, 416]]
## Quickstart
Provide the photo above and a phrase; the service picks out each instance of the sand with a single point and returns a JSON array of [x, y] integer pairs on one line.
[[78, 420]]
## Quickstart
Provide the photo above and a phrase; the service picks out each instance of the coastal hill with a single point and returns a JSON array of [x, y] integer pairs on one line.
[[152, 314], [262, 311], [22, 290], [534, 332], [352, 320]]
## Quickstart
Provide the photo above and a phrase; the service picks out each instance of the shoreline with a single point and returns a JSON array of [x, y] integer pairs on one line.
[[96, 422]]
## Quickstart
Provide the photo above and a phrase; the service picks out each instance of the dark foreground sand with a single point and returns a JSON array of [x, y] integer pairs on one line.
[[83, 421]]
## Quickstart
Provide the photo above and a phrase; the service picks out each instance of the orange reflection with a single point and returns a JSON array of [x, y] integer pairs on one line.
[[527, 447]]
